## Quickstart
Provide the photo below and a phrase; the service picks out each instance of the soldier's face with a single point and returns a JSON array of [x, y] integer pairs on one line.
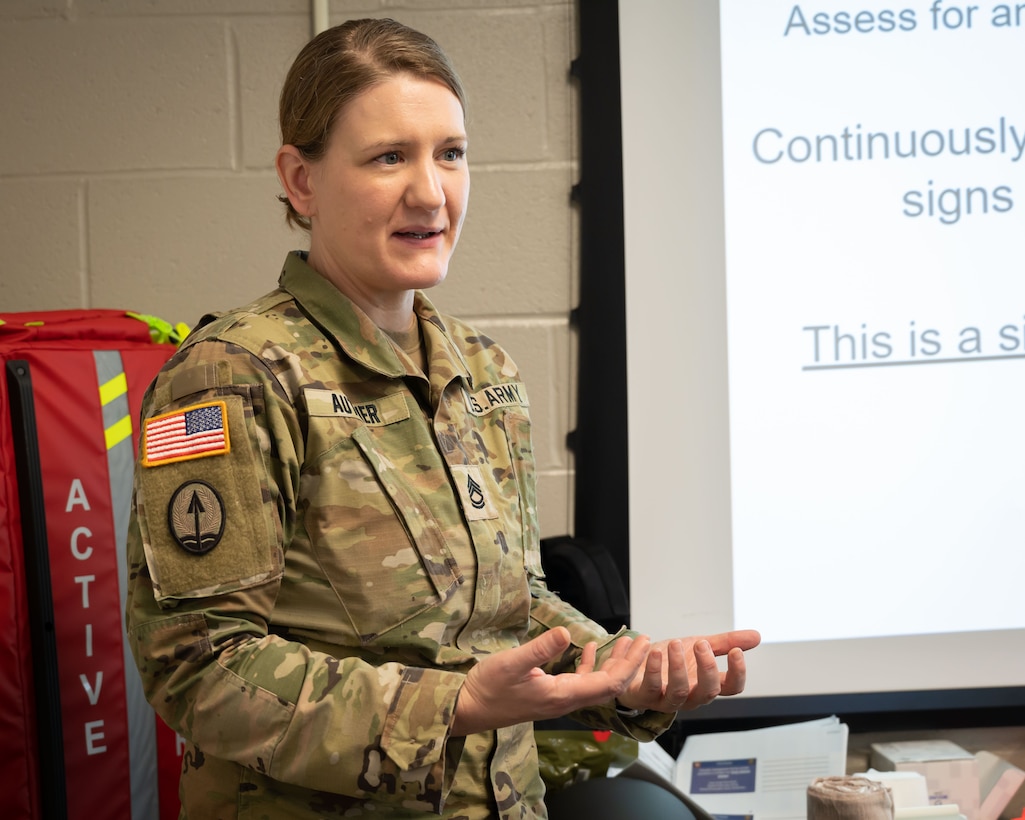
[[390, 193]]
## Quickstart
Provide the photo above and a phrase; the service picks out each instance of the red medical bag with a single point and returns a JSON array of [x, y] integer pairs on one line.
[[77, 738]]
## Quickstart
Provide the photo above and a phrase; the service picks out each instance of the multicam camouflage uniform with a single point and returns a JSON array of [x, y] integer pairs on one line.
[[324, 542]]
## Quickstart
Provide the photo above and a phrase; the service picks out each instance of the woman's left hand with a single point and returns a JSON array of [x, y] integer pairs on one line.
[[683, 673]]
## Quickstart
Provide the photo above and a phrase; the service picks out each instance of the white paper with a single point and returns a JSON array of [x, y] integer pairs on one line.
[[761, 773]]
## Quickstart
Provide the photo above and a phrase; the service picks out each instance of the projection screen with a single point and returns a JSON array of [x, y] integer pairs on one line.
[[824, 241]]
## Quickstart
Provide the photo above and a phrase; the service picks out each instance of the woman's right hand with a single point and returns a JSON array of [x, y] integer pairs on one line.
[[510, 687]]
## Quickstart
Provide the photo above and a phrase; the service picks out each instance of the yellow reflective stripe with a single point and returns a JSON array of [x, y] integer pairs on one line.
[[117, 386], [118, 431], [109, 391]]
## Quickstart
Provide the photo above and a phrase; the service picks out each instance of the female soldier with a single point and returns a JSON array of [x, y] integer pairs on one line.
[[336, 595]]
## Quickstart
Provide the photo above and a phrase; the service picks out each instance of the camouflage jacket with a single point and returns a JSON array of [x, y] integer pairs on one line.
[[323, 542]]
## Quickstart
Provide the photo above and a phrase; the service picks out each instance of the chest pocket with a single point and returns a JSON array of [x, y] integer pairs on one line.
[[521, 456], [376, 539]]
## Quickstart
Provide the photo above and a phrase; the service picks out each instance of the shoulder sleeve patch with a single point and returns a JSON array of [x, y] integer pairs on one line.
[[207, 527], [197, 431]]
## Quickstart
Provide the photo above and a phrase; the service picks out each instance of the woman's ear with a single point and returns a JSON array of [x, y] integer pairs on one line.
[[294, 171]]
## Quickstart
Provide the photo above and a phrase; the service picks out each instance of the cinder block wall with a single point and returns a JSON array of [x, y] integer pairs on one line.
[[136, 168]]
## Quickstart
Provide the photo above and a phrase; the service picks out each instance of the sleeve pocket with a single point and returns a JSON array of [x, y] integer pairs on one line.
[[205, 524]]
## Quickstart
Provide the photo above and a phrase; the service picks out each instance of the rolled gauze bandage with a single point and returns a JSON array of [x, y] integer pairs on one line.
[[849, 798]]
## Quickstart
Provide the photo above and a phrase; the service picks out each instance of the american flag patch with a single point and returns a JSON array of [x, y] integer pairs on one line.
[[195, 432]]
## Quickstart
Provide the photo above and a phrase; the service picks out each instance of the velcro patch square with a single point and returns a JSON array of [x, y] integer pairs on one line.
[[473, 492]]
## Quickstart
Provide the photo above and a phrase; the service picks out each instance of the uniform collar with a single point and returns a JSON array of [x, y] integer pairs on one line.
[[357, 335]]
